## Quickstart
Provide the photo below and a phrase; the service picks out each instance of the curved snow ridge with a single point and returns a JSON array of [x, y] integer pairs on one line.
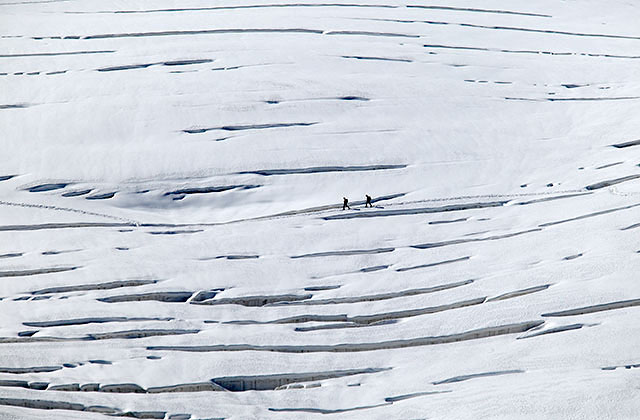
[[248, 6], [477, 375], [101, 196], [337, 326], [595, 308], [39, 404], [62, 251], [414, 211], [397, 60], [365, 320], [630, 366], [37, 271], [416, 267], [46, 187], [271, 382], [128, 334], [362, 347], [180, 297], [553, 198], [329, 98], [554, 330], [209, 190], [162, 63], [232, 257], [97, 286], [345, 253], [610, 182], [220, 384], [33, 369], [376, 297], [174, 232], [248, 127], [464, 241], [11, 255], [234, 31], [512, 28], [519, 293], [319, 5], [589, 215], [55, 54], [15, 106], [94, 320], [534, 52], [254, 300], [323, 169], [471, 9], [329, 411], [626, 144], [587, 99]]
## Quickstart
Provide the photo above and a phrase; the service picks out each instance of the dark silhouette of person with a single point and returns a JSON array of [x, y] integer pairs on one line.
[[345, 203], [368, 203]]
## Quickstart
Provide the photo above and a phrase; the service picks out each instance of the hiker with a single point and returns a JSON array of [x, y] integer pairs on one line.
[[368, 203], [345, 203]]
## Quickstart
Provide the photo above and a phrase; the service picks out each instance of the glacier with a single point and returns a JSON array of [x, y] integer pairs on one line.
[[172, 239]]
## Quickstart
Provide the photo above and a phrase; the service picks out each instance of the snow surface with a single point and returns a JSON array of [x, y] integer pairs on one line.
[[203, 149]]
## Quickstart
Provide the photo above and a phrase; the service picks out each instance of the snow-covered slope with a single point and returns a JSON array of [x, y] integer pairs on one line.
[[172, 243]]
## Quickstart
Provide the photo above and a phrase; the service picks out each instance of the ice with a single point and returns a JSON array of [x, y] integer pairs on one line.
[[172, 239]]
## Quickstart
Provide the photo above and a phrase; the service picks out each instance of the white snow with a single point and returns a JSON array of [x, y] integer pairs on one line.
[[229, 133]]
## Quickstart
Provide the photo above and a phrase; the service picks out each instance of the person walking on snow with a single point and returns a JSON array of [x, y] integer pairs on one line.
[[345, 203], [368, 203]]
